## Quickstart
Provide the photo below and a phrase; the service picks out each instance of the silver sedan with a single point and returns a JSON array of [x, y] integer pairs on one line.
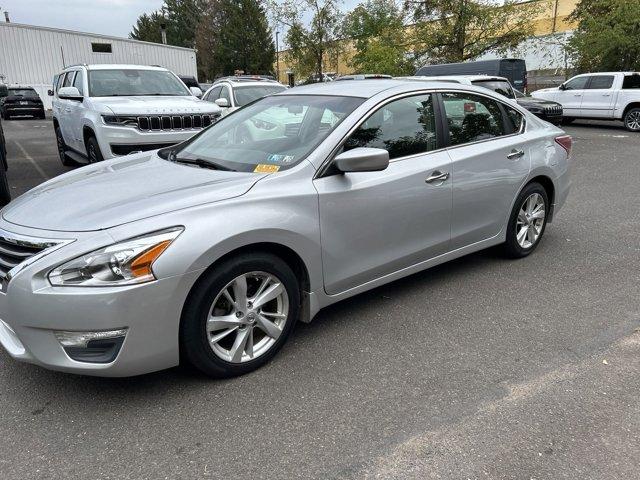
[[210, 251]]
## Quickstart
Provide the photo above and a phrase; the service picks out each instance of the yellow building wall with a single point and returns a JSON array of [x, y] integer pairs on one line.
[[553, 18]]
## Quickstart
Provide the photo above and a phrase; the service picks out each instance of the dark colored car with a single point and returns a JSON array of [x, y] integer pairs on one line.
[[545, 109], [5, 194], [21, 101], [513, 69]]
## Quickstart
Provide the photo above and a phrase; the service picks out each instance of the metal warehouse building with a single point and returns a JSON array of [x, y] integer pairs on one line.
[[31, 55]]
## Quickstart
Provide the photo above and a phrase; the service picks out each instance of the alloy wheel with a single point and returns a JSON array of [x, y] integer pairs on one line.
[[633, 120], [247, 317], [530, 221]]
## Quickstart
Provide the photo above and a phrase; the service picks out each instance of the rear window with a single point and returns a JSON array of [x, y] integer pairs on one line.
[[23, 92], [601, 82], [498, 86], [631, 81]]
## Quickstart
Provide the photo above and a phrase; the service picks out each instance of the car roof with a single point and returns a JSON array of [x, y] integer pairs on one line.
[[116, 66], [370, 88], [457, 78]]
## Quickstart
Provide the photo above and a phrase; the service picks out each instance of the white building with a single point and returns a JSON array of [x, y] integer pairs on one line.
[[31, 55]]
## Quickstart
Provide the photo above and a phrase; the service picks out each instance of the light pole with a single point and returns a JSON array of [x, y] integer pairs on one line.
[[277, 56]]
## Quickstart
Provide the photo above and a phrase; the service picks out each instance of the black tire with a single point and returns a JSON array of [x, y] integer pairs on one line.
[[6, 116], [93, 150], [194, 339], [567, 120], [42, 116], [511, 247], [5, 192], [632, 120], [62, 149]]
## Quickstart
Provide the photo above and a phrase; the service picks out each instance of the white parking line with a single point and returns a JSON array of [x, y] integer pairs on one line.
[[33, 162]]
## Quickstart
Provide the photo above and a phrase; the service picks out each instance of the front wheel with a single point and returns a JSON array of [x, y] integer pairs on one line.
[[527, 221], [93, 151], [632, 120], [239, 315]]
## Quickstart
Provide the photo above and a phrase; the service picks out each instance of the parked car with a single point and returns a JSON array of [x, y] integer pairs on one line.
[[20, 102], [213, 249], [545, 109], [513, 69], [104, 111], [599, 96], [5, 192], [231, 93], [192, 83]]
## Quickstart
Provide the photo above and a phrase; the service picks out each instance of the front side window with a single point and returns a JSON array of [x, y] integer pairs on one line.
[[578, 83], [247, 94], [403, 127], [78, 82], [213, 94], [601, 82], [133, 82], [274, 133], [472, 118], [68, 79], [224, 93]]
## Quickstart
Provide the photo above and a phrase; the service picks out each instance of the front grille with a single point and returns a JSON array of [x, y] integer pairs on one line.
[[555, 110], [176, 122], [13, 253]]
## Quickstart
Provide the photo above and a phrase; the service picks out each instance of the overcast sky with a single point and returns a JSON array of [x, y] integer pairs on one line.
[[108, 17]]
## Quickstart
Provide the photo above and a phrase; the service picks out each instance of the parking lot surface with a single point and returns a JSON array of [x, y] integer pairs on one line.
[[480, 368]]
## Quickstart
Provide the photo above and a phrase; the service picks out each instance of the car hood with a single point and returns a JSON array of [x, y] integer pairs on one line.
[[151, 105], [536, 102], [120, 191]]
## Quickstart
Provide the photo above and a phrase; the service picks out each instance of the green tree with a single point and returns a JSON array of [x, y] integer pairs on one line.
[[606, 38], [180, 19], [235, 35], [377, 29], [309, 43], [148, 28], [460, 30]]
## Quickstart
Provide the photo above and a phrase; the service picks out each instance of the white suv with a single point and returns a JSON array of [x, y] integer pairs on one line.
[[103, 111], [231, 93]]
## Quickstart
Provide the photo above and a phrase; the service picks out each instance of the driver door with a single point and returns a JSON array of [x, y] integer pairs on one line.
[[571, 96], [376, 223]]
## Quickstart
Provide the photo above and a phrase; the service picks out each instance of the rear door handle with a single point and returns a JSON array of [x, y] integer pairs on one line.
[[515, 154], [437, 176]]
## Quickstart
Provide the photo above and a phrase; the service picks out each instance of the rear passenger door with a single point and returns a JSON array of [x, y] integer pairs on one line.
[[597, 99], [489, 162]]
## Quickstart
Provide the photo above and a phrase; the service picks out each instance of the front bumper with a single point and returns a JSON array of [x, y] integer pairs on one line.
[[31, 311], [24, 110], [122, 139]]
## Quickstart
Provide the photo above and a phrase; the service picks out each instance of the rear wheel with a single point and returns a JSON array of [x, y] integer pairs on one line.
[[239, 315], [93, 150], [62, 149], [632, 120], [527, 221]]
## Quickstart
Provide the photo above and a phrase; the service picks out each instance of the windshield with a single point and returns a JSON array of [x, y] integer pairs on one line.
[[502, 87], [249, 93], [130, 82], [23, 92], [275, 133]]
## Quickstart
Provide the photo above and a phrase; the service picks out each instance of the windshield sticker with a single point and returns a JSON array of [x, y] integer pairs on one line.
[[264, 168], [277, 158]]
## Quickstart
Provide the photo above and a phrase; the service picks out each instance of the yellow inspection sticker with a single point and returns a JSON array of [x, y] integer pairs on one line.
[[266, 168]]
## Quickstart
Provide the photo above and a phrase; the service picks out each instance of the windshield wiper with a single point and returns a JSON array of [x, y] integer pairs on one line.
[[201, 163]]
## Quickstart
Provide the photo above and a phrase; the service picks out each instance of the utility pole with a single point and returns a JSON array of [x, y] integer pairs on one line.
[[277, 57], [6, 17]]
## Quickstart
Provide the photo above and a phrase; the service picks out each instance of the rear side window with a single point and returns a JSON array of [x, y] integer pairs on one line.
[[631, 81], [402, 127], [515, 118], [472, 118], [600, 82]]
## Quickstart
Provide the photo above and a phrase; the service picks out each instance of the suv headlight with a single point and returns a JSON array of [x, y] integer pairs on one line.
[[123, 263], [121, 121]]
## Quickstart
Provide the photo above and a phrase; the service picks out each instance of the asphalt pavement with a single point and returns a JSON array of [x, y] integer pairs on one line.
[[481, 368]]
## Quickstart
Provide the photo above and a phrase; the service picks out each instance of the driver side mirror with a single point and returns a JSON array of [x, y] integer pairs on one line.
[[4, 91], [196, 92], [50, 92], [562, 86], [222, 102], [70, 93], [362, 159]]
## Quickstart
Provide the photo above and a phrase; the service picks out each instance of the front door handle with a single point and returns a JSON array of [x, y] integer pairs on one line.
[[437, 176], [515, 154]]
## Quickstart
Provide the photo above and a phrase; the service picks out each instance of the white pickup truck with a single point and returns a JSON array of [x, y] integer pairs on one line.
[[602, 96]]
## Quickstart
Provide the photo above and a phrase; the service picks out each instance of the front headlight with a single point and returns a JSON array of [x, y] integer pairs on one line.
[[123, 263]]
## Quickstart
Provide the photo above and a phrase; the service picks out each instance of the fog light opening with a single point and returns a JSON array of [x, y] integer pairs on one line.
[[92, 347]]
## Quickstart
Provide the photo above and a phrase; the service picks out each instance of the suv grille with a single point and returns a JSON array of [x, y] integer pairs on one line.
[[555, 110], [176, 122]]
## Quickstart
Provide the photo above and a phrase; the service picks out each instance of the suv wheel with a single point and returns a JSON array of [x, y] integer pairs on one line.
[[239, 315], [632, 120], [527, 221], [62, 149], [93, 151]]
